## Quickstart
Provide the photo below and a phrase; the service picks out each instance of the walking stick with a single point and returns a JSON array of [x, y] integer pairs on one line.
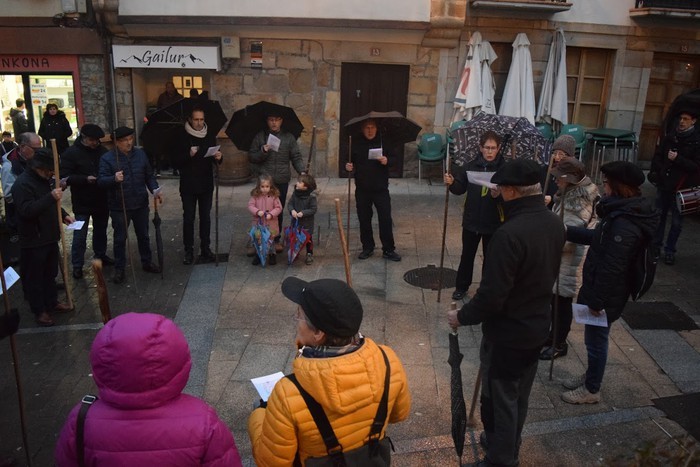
[[216, 214], [444, 226], [555, 320], [347, 240], [346, 255], [102, 295], [15, 365], [126, 224], [64, 256], [471, 421], [311, 149]]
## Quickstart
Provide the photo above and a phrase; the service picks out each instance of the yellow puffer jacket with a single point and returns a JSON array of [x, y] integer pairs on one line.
[[348, 387]]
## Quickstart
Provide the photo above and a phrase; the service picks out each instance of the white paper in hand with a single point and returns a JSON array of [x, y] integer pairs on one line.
[[375, 153], [481, 178], [274, 142], [583, 315], [212, 150], [265, 384], [11, 277], [75, 225]]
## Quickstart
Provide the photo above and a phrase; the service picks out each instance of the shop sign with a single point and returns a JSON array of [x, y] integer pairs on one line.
[[166, 56], [39, 94], [28, 63]]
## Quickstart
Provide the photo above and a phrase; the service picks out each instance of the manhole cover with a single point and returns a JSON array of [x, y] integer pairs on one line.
[[657, 315], [428, 277]]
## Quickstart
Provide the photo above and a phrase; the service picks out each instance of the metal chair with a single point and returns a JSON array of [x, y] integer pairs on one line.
[[431, 150], [546, 130]]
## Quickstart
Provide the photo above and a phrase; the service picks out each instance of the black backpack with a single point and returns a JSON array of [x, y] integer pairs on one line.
[[643, 267]]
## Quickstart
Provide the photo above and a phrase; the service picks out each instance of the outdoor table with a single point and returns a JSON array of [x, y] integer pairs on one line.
[[621, 141]]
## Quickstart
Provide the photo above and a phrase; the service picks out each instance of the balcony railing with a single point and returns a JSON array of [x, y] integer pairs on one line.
[[550, 6], [680, 9], [676, 4]]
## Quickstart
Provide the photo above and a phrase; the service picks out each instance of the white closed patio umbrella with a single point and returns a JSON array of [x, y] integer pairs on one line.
[[552, 107], [476, 87], [519, 94]]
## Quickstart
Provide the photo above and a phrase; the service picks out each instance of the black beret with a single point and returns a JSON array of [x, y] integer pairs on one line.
[[520, 172], [623, 172], [43, 158], [92, 131], [329, 304], [123, 132]]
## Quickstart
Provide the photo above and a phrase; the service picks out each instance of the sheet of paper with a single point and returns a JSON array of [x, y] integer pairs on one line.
[[212, 150], [11, 277], [481, 178], [76, 225], [583, 315], [157, 191], [265, 384], [274, 142], [375, 153]]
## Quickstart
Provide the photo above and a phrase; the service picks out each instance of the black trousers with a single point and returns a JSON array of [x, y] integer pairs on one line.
[[382, 202], [470, 245], [189, 207], [38, 267]]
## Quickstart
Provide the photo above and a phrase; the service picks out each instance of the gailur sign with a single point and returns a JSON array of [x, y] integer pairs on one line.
[[166, 56]]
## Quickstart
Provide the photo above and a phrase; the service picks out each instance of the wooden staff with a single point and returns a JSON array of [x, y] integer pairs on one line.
[[347, 244], [346, 255], [546, 179], [102, 295], [15, 361], [471, 420], [444, 224], [311, 149], [216, 214], [126, 223], [555, 320], [513, 147], [64, 258]]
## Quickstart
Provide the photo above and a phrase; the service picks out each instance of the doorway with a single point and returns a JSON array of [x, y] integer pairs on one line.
[[365, 87]]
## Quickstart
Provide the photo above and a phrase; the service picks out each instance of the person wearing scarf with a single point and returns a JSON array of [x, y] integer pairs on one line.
[[196, 182]]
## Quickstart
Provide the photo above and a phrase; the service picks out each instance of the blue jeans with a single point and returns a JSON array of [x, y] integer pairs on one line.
[[99, 238], [140, 219], [665, 202], [596, 339]]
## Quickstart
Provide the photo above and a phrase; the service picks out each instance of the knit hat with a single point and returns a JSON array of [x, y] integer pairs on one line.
[[330, 304], [520, 172], [92, 131], [570, 169], [623, 172], [565, 143]]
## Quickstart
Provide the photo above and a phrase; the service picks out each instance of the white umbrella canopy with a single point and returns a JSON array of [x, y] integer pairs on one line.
[[552, 106], [519, 94], [476, 87]]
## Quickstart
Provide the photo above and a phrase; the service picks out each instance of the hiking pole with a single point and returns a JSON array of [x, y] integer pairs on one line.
[[347, 240], [311, 149], [126, 224], [216, 214], [64, 257], [555, 319], [15, 365], [444, 224], [346, 255]]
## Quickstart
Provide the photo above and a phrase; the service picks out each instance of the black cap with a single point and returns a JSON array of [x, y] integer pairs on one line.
[[623, 172], [123, 132], [329, 304], [520, 172], [92, 131], [43, 158]]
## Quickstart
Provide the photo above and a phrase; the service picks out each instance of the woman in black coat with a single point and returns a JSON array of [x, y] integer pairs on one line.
[[627, 223], [55, 125]]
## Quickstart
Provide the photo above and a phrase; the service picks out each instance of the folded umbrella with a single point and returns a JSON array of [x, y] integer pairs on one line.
[[458, 407], [296, 238], [262, 240]]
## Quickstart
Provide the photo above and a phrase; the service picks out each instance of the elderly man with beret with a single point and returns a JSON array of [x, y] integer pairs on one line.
[[513, 306], [128, 176], [80, 166]]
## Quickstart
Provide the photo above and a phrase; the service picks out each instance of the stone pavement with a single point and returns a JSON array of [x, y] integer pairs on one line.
[[240, 326]]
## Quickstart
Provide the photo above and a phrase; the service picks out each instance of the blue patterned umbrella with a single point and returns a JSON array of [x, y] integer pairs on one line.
[[262, 240]]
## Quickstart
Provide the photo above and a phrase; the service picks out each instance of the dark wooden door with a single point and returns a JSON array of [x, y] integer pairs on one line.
[[365, 87]]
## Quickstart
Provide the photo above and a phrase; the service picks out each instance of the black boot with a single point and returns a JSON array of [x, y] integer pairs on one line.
[[555, 351]]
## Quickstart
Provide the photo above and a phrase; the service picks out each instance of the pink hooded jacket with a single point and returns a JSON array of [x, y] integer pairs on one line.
[[141, 363]]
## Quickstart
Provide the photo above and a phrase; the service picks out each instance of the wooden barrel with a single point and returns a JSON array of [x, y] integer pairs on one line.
[[234, 170]]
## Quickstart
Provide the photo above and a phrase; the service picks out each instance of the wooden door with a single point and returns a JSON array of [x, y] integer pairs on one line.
[[365, 87]]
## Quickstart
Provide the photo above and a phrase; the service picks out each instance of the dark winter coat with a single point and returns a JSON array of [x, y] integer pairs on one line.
[[8, 146], [614, 244], [138, 179], [483, 213], [196, 172], [276, 163], [683, 172], [520, 267], [37, 218], [77, 163], [55, 127], [370, 175], [19, 122], [304, 201]]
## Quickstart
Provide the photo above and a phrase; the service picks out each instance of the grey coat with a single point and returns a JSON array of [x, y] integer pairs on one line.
[[276, 163]]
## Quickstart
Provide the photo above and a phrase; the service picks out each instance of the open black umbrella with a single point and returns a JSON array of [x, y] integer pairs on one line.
[[393, 125], [457, 405], [163, 124], [690, 101], [251, 120], [159, 235]]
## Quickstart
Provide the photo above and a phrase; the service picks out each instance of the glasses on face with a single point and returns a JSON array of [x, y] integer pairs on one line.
[[605, 181], [490, 148]]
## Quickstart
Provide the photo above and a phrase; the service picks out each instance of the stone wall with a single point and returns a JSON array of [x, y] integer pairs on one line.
[[96, 103]]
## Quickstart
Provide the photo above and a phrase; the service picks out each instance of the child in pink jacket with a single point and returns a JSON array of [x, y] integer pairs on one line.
[[265, 206]]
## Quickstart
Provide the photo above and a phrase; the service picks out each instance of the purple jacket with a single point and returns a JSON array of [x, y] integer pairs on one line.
[[141, 363]]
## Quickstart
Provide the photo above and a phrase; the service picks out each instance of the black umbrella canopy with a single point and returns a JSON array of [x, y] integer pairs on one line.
[[251, 120], [688, 102], [458, 407], [392, 125]]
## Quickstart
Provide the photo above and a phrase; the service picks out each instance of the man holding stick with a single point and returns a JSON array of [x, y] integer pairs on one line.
[[513, 306]]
